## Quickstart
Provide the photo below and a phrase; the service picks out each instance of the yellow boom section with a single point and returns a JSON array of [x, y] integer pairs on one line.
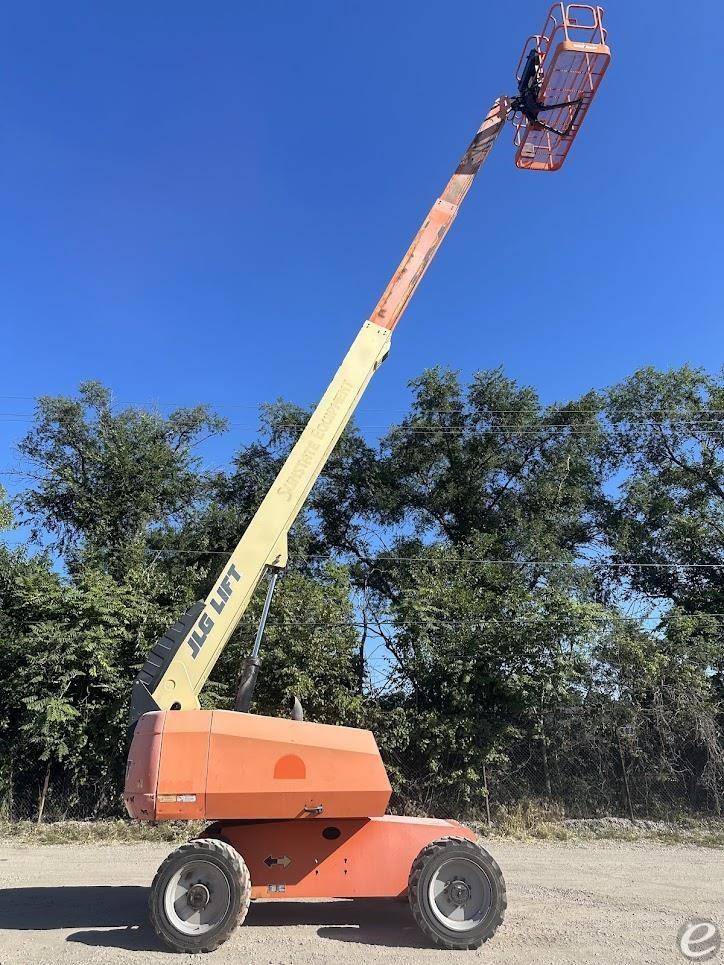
[[180, 663]]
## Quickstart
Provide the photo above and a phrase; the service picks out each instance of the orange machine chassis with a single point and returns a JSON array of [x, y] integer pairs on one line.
[[304, 803], [349, 858]]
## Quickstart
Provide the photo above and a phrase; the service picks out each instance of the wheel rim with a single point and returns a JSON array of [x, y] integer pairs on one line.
[[460, 894], [197, 898]]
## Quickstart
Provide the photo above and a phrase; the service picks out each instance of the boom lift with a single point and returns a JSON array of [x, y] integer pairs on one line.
[[298, 808]]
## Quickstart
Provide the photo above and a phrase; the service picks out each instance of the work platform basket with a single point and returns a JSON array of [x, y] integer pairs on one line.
[[563, 66]]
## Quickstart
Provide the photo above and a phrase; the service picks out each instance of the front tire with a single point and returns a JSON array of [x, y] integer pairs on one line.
[[200, 894], [457, 893]]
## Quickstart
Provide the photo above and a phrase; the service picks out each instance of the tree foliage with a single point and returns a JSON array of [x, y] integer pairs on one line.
[[464, 585], [102, 478]]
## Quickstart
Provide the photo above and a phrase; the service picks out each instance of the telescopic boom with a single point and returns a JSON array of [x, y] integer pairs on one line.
[[180, 662], [559, 74]]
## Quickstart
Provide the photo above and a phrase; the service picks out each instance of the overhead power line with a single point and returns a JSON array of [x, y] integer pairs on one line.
[[255, 404], [421, 560], [481, 623], [699, 422]]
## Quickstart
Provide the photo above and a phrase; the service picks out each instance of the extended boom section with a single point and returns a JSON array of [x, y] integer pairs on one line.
[[181, 661]]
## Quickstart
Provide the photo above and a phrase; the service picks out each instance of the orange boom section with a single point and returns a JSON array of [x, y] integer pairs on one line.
[[221, 764], [388, 310], [559, 71]]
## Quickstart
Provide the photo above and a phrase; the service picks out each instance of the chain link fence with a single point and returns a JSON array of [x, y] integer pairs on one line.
[[62, 799], [578, 763]]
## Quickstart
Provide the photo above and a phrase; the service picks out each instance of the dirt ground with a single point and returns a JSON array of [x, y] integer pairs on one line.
[[568, 904]]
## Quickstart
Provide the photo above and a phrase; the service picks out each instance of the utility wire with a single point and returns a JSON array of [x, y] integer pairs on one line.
[[478, 560], [479, 424], [481, 623], [256, 404]]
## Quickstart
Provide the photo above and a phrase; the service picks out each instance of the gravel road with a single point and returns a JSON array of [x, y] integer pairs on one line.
[[568, 904]]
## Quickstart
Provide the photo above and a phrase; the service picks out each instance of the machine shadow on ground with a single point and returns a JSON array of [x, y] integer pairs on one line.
[[365, 921], [117, 917], [122, 909]]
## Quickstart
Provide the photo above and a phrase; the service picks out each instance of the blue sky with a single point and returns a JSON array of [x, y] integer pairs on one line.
[[204, 201]]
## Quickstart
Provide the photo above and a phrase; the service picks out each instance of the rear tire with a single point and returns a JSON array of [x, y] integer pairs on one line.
[[200, 894], [457, 893]]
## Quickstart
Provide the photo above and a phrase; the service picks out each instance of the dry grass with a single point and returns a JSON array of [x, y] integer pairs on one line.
[[118, 832], [528, 820], [531, 820]]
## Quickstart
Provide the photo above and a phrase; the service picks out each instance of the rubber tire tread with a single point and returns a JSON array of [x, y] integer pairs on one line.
[[233, 863], [500, 899]]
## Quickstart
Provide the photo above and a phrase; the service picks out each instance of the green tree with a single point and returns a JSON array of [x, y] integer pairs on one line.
[[471, 475], [668, 514], [462, 588], [139, 531], [68, 656], [492, 462], [666, 435], [103, 478], [79, 623]]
